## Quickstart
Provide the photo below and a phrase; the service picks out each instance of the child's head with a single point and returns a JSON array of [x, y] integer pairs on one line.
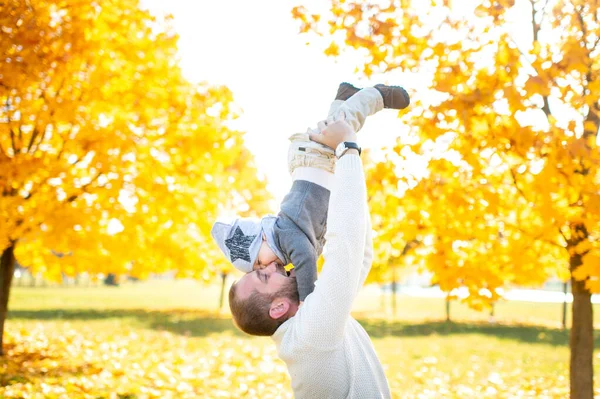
[[244, 243], [265, 256]]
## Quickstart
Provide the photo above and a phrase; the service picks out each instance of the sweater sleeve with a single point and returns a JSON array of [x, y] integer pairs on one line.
[[303, 256], [368, 252], [326, 312]]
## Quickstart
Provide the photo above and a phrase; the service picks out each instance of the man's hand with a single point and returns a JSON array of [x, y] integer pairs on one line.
[[334, 132]]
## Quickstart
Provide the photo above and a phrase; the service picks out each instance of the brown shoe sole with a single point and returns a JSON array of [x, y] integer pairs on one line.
[[345, 91], [394, 97]]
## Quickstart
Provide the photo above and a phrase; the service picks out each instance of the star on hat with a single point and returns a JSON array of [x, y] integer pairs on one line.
[[239, 245]]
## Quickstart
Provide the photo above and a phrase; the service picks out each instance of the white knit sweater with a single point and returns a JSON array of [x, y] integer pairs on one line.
[[327, 352]]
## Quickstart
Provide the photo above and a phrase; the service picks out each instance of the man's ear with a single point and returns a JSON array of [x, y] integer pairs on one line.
[[279, 308]]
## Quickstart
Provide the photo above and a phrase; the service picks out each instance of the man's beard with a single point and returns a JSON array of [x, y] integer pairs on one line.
[[289, 291]]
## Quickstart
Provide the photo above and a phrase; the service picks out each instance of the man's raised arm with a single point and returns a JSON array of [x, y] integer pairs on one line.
[[327, 309]]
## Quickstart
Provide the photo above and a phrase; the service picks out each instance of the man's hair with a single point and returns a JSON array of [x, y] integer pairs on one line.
[[251, 315]]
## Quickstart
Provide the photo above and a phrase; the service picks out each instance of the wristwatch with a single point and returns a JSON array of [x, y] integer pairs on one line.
[[345, 146]]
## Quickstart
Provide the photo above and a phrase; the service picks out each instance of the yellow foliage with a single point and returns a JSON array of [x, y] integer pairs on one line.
[[589, 270], [513, 197], [110, 161], [83, 363], [333, 49]]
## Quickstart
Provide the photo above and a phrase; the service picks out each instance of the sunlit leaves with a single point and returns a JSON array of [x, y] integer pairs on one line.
[[515, 196], [110, 161], [86, 363], [118, 359]]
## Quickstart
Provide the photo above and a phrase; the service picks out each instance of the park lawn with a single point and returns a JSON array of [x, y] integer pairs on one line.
[[168, 340]]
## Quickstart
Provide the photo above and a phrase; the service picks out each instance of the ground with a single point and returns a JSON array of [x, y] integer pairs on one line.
[[165, 339]]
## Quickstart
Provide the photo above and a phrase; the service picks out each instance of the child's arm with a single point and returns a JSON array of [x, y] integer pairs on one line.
[[304, 258]]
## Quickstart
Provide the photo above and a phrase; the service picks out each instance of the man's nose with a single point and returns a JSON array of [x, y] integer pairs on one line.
[[271, 268]]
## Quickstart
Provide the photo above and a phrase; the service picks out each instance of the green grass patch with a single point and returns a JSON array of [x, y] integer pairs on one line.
[[170, 340]]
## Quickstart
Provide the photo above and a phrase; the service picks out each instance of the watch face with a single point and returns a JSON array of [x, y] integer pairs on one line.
[[340, 149], [344, 146]]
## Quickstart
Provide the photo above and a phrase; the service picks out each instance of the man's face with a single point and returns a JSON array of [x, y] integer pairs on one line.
[[265, 257], [269, 280]]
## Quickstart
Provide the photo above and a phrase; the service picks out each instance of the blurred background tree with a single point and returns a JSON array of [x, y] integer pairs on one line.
[[509, 123], [108, 156]]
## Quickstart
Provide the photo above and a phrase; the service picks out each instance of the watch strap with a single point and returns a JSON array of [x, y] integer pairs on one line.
[[353, 145], [345, 146]]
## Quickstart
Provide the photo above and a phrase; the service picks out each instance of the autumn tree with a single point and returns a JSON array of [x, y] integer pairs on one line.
[[515, 87], [110, 161], [397, 231]]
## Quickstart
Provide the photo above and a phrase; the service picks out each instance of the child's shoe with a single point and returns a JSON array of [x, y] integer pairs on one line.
[[394, 97], [345, 91]]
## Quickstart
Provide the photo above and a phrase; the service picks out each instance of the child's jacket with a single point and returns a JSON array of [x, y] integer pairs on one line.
[[296, 234]]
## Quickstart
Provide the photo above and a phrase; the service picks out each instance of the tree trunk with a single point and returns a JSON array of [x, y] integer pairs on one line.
[[447, 309], [221, 300], [7, 270], [582, 338], [564, 308], [111, 280]]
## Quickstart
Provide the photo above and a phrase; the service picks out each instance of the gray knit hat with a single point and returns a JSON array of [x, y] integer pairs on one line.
[[239, 240]]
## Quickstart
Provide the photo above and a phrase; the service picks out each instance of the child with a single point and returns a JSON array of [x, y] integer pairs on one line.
[[297, 234]]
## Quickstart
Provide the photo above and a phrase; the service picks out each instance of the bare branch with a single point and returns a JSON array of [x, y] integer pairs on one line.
[[32, 138], [552, 243], [546, 107], [534, 26], [73, 197], [578, 202], [62, 148], [514, 177], [41, 138], [536, 31], [12, 141], [37, 131], [543, 11], [12, 134], [409, 245], [563, 235], [534, 237], [581, 21]]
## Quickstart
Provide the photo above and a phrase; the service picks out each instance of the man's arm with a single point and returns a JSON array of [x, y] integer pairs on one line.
[[368, 252], [323, 317], [345, 238]]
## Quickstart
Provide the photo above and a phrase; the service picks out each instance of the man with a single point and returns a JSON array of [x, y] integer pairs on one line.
[[327, 352]]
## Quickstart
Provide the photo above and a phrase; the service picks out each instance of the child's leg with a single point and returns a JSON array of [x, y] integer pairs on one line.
[[345, 91], [317, 163], [366, 102], [359, 104], [333, 109], [310, 161]]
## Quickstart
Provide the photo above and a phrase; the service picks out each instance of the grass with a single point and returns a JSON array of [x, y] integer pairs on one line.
[[162, 339]]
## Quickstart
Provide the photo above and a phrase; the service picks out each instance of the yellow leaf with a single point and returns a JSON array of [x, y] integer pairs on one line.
[[332, 50]]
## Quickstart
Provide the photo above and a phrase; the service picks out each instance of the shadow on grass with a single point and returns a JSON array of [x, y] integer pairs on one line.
[[24, 366], [202, 323], [178, 321], [513, 332]]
